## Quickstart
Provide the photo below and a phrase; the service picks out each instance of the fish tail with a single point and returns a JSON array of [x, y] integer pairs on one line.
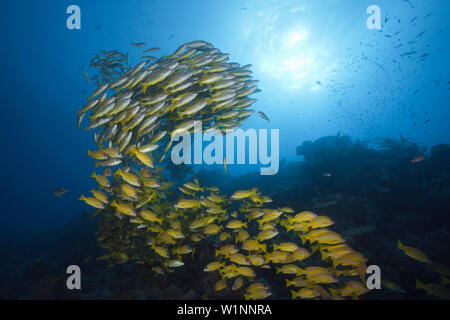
[[334, 263], [93, 175], [333, 292], [303, 238], [264, 247], [305, 225], [144, 87], [165, 151], [278, 269], [288, 282], [400, 245], [419, 285], [294, 294]]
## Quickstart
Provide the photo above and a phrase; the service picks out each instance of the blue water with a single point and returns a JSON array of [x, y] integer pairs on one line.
[[321, 71]]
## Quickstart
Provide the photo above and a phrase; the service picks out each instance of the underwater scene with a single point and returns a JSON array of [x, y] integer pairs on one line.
[[225, 150]]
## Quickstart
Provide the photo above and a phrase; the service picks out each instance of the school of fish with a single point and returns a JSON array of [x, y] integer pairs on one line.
[[146, 218]]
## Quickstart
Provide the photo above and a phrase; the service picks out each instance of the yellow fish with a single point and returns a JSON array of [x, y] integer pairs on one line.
[[237, 284], [239, 258], [225, 165], [236, 224], [176, 234], [241, 236], [94, 202], [254, 245], [288, 269], [319, 222], [100, 196], [220, 285], [212, 229], [297, 282], [102, 181], [162, 251], [299, 255], [302, 217], [414, 253], [305, 293], [245, 271], [129, 178], [213, 266], [436, 290], [257, 294], [266, 234], [286, 246], [224, 236], [256, 259], [123, 207], [188, 204], [226, 250], [242, 194], [98, 155], [350, 288], [143, 157], [352, 258]]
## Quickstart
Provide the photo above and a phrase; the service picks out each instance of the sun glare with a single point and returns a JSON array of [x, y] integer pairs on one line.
[[294, 60]]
